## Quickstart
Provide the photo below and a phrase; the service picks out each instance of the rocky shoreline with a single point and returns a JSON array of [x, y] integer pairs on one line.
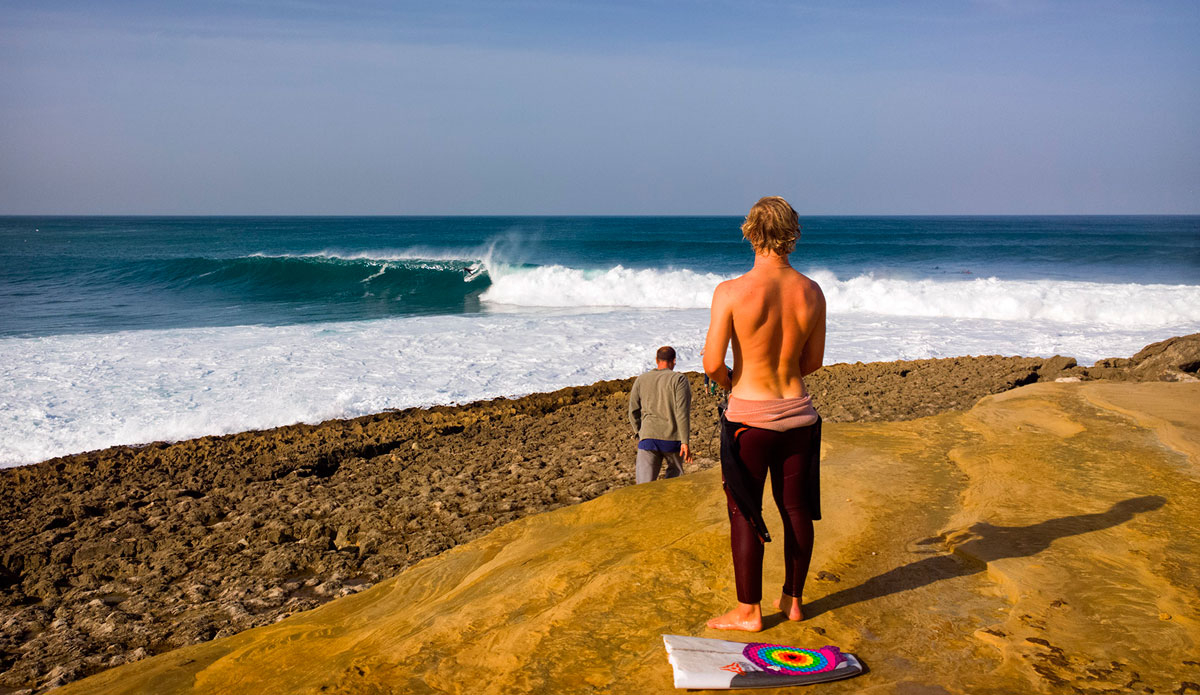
[[114, 555]]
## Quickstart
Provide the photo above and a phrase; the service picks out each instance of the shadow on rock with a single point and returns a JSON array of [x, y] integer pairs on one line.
[[972, 549]]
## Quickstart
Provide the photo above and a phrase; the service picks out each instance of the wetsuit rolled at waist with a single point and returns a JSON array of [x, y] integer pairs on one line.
[[779, 414], [780, 437]]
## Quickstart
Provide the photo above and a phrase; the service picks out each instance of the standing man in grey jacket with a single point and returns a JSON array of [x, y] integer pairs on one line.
[[660, 407]]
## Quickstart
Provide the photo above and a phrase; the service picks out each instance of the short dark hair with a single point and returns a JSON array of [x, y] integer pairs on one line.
[[665, 353]]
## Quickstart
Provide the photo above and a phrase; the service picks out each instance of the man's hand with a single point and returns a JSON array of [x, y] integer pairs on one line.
[[686, 452]]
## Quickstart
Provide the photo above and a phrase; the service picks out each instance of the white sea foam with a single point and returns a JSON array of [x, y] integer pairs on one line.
[[557, 286], [65, 394], [71, 393], [1071, 302]]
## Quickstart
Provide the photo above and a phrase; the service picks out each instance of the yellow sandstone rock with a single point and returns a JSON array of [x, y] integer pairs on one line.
[[1029, 545]]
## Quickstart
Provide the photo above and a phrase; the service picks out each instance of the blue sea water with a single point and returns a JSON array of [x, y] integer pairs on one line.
[[129, 329], [103, 274]]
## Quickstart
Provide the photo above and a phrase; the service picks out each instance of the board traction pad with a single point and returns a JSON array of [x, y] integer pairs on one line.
[[713, 664]]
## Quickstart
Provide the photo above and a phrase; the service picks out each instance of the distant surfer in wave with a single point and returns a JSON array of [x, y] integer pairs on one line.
[[775, 318], [472, 271]]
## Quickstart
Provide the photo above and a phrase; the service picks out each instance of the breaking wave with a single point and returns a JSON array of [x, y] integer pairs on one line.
[[1072, 302]]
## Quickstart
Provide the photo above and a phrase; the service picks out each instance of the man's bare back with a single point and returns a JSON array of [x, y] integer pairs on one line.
[[775, 318]]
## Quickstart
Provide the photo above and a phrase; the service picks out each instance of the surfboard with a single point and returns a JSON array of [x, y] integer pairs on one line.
[[713, 664]]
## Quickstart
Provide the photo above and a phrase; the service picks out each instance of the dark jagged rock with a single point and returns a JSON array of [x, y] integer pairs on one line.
[[1174, 359]]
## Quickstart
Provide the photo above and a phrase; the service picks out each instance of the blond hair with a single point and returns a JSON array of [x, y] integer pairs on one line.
[[772, 226]]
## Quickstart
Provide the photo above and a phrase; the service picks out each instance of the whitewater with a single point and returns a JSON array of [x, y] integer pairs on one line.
[[552, 327], [141, 346]]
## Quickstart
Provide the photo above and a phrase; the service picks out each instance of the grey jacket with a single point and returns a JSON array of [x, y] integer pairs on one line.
[[660, 406]]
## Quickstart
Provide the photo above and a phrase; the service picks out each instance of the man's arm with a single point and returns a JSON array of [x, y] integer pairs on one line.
[[814, 348], [683, 407], [635, 406], [683, 415], [720, 332]]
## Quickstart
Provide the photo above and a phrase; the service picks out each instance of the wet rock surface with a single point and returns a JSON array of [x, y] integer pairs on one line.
[[114, 555]]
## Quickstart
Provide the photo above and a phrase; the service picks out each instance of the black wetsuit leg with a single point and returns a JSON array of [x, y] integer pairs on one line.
[[785, 456], [788, 480], [746, 544]]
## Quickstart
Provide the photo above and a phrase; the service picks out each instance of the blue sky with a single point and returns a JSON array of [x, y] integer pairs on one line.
[[460, 107]]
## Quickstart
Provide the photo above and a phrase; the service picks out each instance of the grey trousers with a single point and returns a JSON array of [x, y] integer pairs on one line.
[[649, 463]]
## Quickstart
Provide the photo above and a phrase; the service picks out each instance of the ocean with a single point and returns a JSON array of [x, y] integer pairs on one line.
[[126, 330]]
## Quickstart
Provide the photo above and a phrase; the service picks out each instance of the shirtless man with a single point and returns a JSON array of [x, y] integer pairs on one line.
[[775, 318]]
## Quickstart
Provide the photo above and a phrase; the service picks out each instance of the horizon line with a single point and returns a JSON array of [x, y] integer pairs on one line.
[[588, 215]]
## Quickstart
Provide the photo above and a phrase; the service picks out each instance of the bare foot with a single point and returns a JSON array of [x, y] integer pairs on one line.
[[747, 616], [789, 606]]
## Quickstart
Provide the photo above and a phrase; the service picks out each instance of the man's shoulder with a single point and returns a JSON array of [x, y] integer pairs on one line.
[[807, 282], [734, 290], [675, 379], [730, 286], [661, 376], [644, 377], [748, 287]]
